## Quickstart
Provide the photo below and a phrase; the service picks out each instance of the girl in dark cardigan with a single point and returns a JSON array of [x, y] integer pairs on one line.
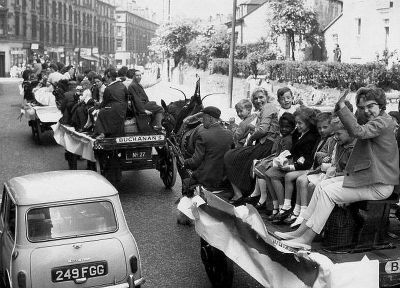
[[304, 139]]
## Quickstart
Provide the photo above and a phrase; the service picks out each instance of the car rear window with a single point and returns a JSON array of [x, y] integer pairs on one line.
[[67, 221]]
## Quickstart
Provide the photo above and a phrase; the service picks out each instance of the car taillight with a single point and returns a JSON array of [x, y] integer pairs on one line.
[[134, 264], [21, 279]]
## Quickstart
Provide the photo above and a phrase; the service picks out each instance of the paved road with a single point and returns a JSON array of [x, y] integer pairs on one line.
[[169, 252]]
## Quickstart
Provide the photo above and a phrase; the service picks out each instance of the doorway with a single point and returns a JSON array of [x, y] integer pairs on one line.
[[2, 64]]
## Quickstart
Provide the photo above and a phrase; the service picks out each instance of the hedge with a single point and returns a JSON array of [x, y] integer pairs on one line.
[[321, 74]]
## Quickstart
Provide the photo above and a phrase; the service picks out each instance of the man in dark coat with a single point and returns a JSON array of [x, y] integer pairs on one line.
[[142, 103], [111, 118], [213, 141], [68, 102]]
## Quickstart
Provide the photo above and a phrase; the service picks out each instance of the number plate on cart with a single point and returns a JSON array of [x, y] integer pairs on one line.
[[138, 154], [72, 272]]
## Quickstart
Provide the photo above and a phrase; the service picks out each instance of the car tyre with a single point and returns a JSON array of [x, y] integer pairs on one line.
[[219, 268]]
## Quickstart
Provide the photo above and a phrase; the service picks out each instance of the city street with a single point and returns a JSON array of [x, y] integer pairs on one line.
[[170, 253]]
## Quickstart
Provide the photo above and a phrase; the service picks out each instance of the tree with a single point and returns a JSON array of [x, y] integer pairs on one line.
[[212, 42], [292, 19], [172, 39]]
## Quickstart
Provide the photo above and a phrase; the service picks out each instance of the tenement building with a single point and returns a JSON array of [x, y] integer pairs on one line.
[[79, 32], [134, 33]]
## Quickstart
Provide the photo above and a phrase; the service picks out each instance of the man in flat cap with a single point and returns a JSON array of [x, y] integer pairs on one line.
[[212, 142]]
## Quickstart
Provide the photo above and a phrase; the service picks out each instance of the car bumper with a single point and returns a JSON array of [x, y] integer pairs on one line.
[[132, 283]]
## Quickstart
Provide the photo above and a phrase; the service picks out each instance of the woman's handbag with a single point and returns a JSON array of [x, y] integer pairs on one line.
[[260, 168]]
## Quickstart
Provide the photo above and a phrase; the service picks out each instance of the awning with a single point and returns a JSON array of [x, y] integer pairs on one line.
[[89, 57]]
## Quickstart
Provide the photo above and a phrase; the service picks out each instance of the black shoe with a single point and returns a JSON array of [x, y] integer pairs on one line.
[[252, 200], [290, 219], [260, 206], [237, 202], [282, 215], [272, 216]]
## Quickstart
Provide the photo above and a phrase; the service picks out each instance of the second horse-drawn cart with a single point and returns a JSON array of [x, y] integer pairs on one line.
[[111, 156]]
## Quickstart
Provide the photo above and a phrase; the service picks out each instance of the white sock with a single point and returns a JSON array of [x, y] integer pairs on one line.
[[275, 204], [296, 210], [280, 207], [287, 204], [303, 209]]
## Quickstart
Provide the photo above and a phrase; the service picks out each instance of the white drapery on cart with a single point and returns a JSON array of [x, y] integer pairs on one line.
[[74, 142]]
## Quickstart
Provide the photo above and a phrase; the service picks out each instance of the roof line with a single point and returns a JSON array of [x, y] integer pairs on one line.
[[241, 18], [332, 22]]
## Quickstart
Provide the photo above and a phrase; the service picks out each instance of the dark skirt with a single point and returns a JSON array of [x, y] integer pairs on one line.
[[239, 161], [110, 120]]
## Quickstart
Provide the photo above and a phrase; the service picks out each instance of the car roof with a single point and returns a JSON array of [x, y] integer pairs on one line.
[[58, 186]]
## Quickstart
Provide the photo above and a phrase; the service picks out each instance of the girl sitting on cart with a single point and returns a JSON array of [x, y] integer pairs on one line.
[[263, 183], [370, 174], [304, 139]]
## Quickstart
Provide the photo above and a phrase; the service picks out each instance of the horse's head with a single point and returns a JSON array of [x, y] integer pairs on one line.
[[194, 105]]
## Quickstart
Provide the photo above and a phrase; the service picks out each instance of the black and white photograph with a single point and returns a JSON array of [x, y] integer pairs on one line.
[[199, 143]]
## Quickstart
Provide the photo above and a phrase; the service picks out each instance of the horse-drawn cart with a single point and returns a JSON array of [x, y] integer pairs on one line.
[[364, 253], [111, 156]]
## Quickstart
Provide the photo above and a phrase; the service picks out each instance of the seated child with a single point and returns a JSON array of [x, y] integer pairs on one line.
[[284, 142], [285, 99], [304, 137], [322, 155], [246, 127]]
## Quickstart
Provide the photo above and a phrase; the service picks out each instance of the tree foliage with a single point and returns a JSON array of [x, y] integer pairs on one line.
[[213, 42], [292, 19], [172, 39]]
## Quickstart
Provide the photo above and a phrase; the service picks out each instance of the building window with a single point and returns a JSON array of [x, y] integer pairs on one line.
[[119, 44], [41, 33], [54, 30], [24, 25], [41, 7], [358, 26], [387, 33], [391, 4], [16, 24], [60, 8], [54, 9], [34, 26]]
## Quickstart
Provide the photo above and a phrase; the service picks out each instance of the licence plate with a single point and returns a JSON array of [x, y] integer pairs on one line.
[[392, 267], [138, 154], [72, 272]]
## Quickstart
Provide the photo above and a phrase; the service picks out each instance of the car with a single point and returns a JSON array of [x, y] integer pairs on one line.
[[66, 229]]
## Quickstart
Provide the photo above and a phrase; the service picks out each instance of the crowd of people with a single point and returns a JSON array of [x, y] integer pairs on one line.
[[276, 152], [94, 104], [324, 158]]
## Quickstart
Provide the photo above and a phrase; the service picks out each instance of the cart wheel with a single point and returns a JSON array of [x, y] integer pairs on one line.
[[168, 169], [219, 268], [38, 132]]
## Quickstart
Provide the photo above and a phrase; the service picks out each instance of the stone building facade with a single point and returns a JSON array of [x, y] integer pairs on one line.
[[79, 32], [364, 30], [133, 35]]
